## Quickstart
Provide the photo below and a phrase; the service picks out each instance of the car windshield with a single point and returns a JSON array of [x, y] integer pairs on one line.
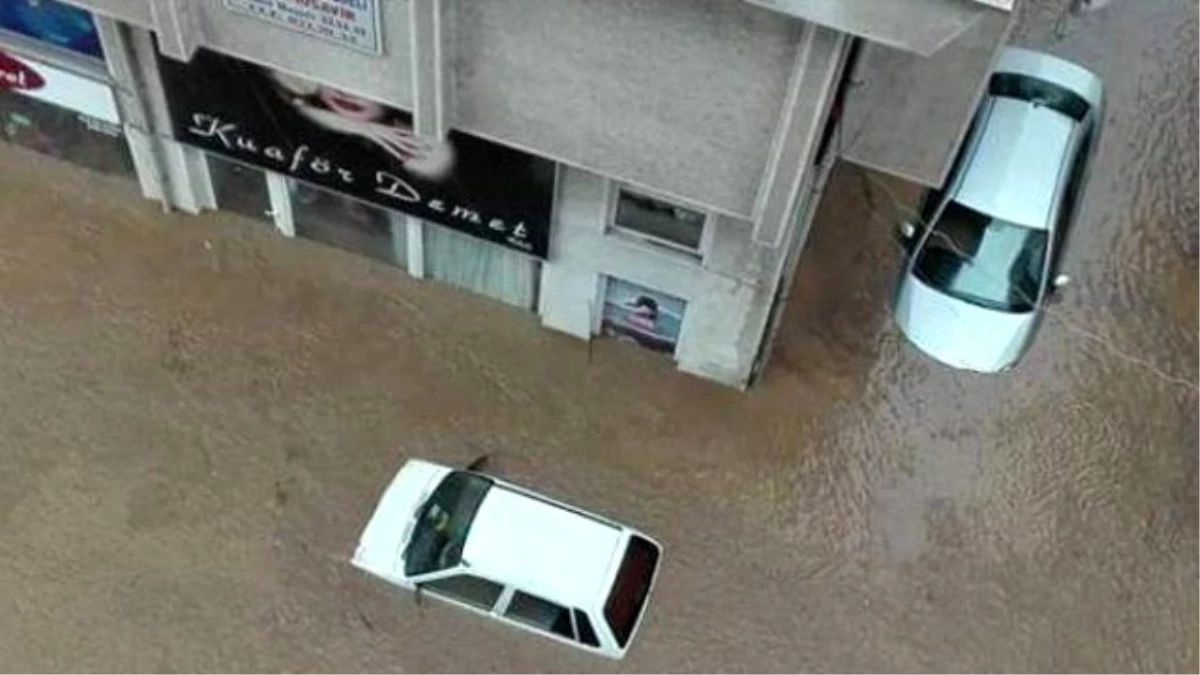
[[984, 261], [443, 523]]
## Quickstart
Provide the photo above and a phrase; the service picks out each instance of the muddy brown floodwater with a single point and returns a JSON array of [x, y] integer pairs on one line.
[[197, 417]]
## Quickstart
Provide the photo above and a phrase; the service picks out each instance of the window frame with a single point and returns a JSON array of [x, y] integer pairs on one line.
[[525, 623], [605, 283], [424, 587], [59, 56], [622, 635], [575, 639], [576, 615], [649, 241]]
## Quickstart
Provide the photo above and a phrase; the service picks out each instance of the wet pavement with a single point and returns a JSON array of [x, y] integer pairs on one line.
[[198, 415]]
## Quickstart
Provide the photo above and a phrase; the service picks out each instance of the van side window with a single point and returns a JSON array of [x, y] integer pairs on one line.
[[541, 614], [466, 588]]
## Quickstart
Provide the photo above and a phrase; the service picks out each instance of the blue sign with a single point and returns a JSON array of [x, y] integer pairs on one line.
[[53, 22]]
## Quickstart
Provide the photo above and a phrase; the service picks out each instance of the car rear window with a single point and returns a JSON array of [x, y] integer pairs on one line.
[[631, 588], [1041, 92]]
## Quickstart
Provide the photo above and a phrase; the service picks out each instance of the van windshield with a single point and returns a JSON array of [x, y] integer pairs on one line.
[[443, 523], [631, 588]]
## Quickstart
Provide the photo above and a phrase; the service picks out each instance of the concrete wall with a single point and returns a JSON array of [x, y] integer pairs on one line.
[[682, 96], [918, 26], [136, 12], [713, 104], [678, 95], [728, 295], [387, 78], [907, 113], [208, 23]]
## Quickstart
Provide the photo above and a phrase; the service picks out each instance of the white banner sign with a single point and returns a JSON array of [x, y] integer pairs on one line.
[[354, 23], [35, 79]]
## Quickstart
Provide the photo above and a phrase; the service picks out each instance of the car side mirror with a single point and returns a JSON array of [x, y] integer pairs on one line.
[[479, 463], [1059, 282], [906, 235]]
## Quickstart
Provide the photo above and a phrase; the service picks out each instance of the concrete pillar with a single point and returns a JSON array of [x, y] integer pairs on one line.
[[280, 194], [178, 27], [415, 240], [819, 59], [184, 180], [123, 69], [428, 21]]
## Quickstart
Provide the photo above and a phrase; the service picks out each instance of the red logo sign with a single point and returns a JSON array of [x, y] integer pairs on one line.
[[16, 74]]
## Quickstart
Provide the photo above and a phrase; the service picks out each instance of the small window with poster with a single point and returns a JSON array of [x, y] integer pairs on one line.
[[638, 314]]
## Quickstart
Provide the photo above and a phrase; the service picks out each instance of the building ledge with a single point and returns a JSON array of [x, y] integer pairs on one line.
[[918, 26]]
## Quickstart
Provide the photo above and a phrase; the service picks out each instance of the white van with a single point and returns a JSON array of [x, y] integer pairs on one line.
[[510, 554]]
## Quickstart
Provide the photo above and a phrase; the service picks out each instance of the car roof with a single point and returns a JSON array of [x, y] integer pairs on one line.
[[542, 548], [1013, 173]]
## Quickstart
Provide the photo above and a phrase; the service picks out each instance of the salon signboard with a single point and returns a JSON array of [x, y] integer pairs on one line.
[[349, 144], [353, 23], [37, 79]]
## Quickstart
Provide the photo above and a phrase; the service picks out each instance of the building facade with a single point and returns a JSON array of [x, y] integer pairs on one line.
[[641, 170]]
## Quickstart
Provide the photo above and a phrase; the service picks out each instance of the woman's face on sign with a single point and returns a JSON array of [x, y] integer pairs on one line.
[[350, 106]]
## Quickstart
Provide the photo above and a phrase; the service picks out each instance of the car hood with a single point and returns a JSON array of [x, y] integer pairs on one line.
[[381, 547], [958, 333]]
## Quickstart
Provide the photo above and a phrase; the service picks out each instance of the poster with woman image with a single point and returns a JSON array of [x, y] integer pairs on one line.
[[637, 314], [347, 143]]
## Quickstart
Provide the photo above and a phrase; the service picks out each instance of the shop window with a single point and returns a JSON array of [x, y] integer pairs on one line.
[[65, 134], [52, 22], [480, 267], [240, 188], [639, 315], [347, 223], [658, 222]]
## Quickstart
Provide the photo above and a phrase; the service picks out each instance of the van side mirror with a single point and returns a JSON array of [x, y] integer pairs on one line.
[[1060, 281]]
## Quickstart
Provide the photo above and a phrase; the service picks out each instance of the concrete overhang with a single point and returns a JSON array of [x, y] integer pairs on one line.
[[917, 26]]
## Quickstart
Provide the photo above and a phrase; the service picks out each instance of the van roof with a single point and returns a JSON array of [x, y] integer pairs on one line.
[[542, 548]]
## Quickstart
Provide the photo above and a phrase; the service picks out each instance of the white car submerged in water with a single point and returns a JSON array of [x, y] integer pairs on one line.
[[512, 555], [985, 260]]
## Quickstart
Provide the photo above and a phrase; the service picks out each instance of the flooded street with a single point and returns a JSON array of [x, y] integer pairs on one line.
[[198, 416], [1045, 519]]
